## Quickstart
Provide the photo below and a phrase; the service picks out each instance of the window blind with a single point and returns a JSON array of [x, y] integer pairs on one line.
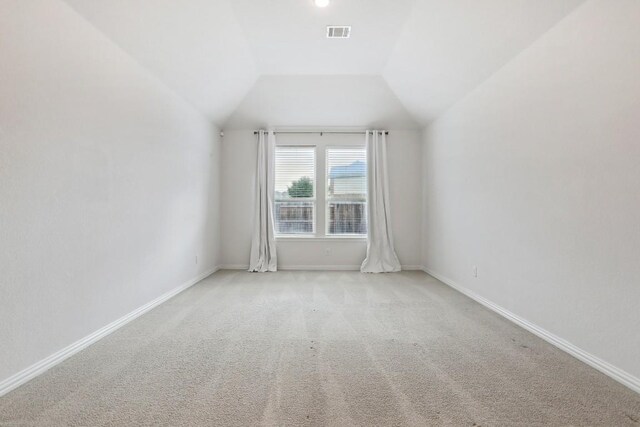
[[346, 191], [295, 190]]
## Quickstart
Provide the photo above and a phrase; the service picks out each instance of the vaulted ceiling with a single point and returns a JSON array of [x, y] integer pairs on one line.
[[248, 63], [321, 101], [288, 36]]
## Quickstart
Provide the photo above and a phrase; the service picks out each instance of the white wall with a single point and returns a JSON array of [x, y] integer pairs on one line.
[[534, 178], [239, 164], [109, 184]]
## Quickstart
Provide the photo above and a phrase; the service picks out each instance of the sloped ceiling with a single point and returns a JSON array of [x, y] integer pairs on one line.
[[447, 48], [429, 54], [194, 46], [331, 101], [288, 36]]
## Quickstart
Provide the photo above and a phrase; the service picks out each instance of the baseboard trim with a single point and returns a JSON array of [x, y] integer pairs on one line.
[[412, 267], [606, 368], [332, 267], [42, 366], [353, 267], [298, 267], [234, 267]]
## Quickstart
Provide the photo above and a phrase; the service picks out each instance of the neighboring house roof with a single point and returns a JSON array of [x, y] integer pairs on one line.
[[354, 170]]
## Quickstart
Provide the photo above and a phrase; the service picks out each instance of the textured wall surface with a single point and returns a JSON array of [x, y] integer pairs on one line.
[[534, 178], [108, 184]]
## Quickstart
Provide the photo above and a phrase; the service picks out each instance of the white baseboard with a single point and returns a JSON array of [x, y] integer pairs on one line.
[[412, 268], [606, 368], [40, 367], [320, 267], [234, 267], [297, 267], [314, 267]]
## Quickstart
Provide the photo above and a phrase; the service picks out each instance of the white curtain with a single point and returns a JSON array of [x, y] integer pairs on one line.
[[381, 256], [263, 243]]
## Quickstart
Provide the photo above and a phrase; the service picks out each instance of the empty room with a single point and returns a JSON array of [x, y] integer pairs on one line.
[[320, 213]]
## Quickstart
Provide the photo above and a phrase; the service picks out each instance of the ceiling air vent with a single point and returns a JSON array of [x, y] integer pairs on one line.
[[338, 32]]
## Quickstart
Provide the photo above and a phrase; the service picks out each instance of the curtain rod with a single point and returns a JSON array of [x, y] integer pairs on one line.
[[321, 132]]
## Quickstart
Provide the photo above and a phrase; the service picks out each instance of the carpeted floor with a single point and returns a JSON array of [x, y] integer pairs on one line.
[[321, 348]]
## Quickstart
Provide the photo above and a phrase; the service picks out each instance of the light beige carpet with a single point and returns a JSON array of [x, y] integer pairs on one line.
[[321, 348]]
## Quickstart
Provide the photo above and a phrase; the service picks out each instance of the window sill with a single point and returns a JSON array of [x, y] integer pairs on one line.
[[321, 238]]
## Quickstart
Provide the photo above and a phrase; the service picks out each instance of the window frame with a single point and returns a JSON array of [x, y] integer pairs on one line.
[[313, 200], [326, 193], [320, 189]]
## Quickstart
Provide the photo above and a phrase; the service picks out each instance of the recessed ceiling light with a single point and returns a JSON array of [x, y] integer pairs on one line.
[[321, 3]]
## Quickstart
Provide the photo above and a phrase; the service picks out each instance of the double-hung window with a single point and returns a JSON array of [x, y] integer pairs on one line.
[[342, 193], [295, 190], [346, 192]]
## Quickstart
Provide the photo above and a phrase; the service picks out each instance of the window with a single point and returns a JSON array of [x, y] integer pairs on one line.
[[346, 194], [295, 190], [340, 186]]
